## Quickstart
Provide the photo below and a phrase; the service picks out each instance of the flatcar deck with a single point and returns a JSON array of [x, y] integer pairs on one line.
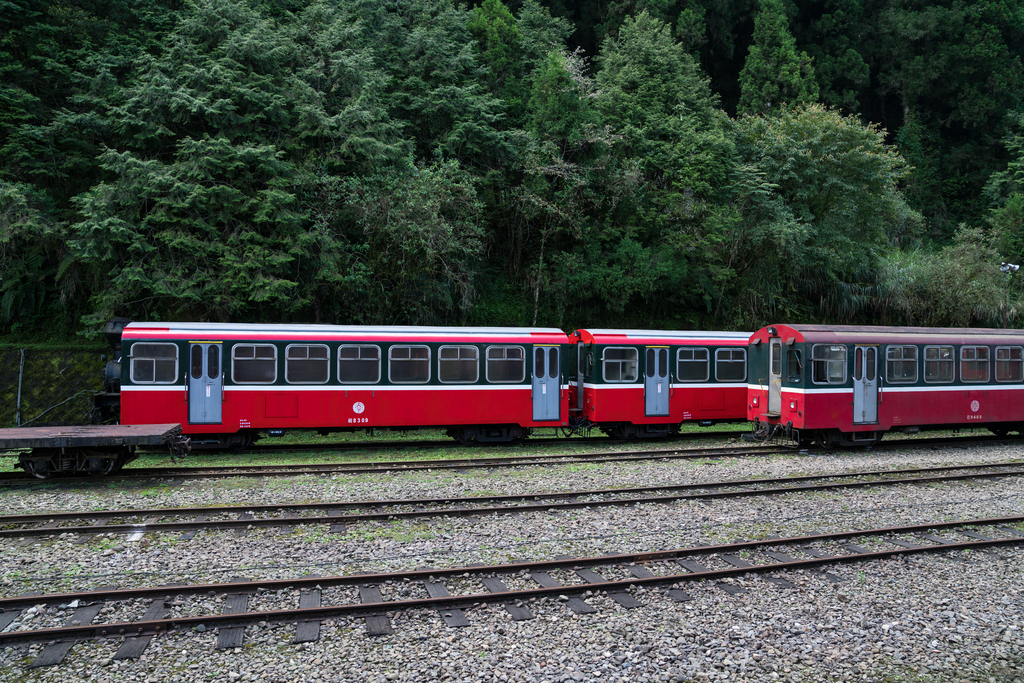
[[88, 436], [87, 449]]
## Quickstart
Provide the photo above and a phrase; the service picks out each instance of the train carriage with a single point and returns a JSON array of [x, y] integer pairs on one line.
[[642, 383], [848, 385], [223, 382]]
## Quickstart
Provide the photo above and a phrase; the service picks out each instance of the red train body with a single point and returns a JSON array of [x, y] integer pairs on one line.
[[225, 382], [849, 385], [648, 382]]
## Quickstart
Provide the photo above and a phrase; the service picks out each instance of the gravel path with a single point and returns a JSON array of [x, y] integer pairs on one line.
[[921, 618]]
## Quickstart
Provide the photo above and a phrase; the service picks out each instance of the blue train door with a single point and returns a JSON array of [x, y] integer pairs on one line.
[[546, 383], [865, 385], [205, 383], [656, 385]]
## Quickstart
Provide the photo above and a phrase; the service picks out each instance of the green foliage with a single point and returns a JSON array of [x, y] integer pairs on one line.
[[425, 161], [31, 248], [840, 208], [774, 73], [959, 286], [422, 241]]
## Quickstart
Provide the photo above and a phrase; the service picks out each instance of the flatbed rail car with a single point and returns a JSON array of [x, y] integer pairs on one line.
[[225, 382], [87, 449], [646, 383], [849, 385]]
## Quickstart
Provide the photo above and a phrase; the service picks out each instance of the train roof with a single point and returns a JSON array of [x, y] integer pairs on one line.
[[143, 330], [880, 334], [669, 336]]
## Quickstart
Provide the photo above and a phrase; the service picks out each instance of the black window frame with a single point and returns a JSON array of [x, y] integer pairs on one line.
[[891, 362], [134, 359], [254, 346], [392, 359], [504, 359], [375, 347], [1018, 361], [693, 350], [988, 363], [731, 350], [828, 361], [460, 347], [951, 360], [326, 361], [605, 361]]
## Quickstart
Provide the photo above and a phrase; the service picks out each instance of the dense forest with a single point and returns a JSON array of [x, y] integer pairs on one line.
[[659, 163]]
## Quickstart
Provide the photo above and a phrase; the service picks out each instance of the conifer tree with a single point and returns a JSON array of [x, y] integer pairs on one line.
[[775, 73]]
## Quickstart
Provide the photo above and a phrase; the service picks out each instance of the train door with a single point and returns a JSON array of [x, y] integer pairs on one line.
[[865, 385], [656, 385], [205, 383], [775, 379], [580, 374], [546, 384]]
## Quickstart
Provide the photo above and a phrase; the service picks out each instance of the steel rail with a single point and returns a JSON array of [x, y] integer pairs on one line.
[[138, 628], [447, 443], [158, 526], [201, 472]]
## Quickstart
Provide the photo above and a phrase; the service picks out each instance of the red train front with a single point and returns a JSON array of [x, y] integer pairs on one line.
[[223, 382], [846, 385]]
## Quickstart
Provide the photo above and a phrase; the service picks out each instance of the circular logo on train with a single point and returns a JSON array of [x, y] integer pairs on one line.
[[358, 408], [974, 406]]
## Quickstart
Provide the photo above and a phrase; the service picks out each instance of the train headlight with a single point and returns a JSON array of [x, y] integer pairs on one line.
[[756, 401], [792, 405]]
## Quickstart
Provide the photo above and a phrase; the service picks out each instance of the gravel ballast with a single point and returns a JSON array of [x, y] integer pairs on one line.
[[920, 618]]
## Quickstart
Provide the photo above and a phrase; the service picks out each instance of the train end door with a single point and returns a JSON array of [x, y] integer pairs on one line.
[[775, 379], [656, 382], [546, 384], [205, 382]]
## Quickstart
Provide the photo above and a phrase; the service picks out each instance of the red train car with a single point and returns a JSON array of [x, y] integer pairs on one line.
[[640, 383], [847, 385], [223, 382]]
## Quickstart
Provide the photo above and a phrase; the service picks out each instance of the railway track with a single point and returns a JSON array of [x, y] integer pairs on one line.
[[511, 587], [14, 478], [200, 472], [379, 445], [339, 515]]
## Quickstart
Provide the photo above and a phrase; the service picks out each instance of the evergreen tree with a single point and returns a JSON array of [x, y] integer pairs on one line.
[[774, 73]]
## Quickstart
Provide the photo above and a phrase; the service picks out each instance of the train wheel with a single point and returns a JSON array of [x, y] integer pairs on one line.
[[999, 431], [37, 472]]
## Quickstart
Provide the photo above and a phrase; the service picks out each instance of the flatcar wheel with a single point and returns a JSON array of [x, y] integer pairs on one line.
[[38, 473]]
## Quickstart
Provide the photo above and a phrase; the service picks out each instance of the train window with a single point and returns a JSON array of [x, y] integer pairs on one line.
[[254, 363], [692, 365], [974, 363], [506, 364], [213, 361], [651, 365], [458, 364], [938, 364], [1009, 364], [358, 364], [901, 364], [197, 361], [409, 364], [731, 365], [794, 364], [620, 364], [155, 363], [307, 364], [828, 363]]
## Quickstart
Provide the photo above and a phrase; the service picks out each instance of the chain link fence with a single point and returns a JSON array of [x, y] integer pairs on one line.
[[40, 387]]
